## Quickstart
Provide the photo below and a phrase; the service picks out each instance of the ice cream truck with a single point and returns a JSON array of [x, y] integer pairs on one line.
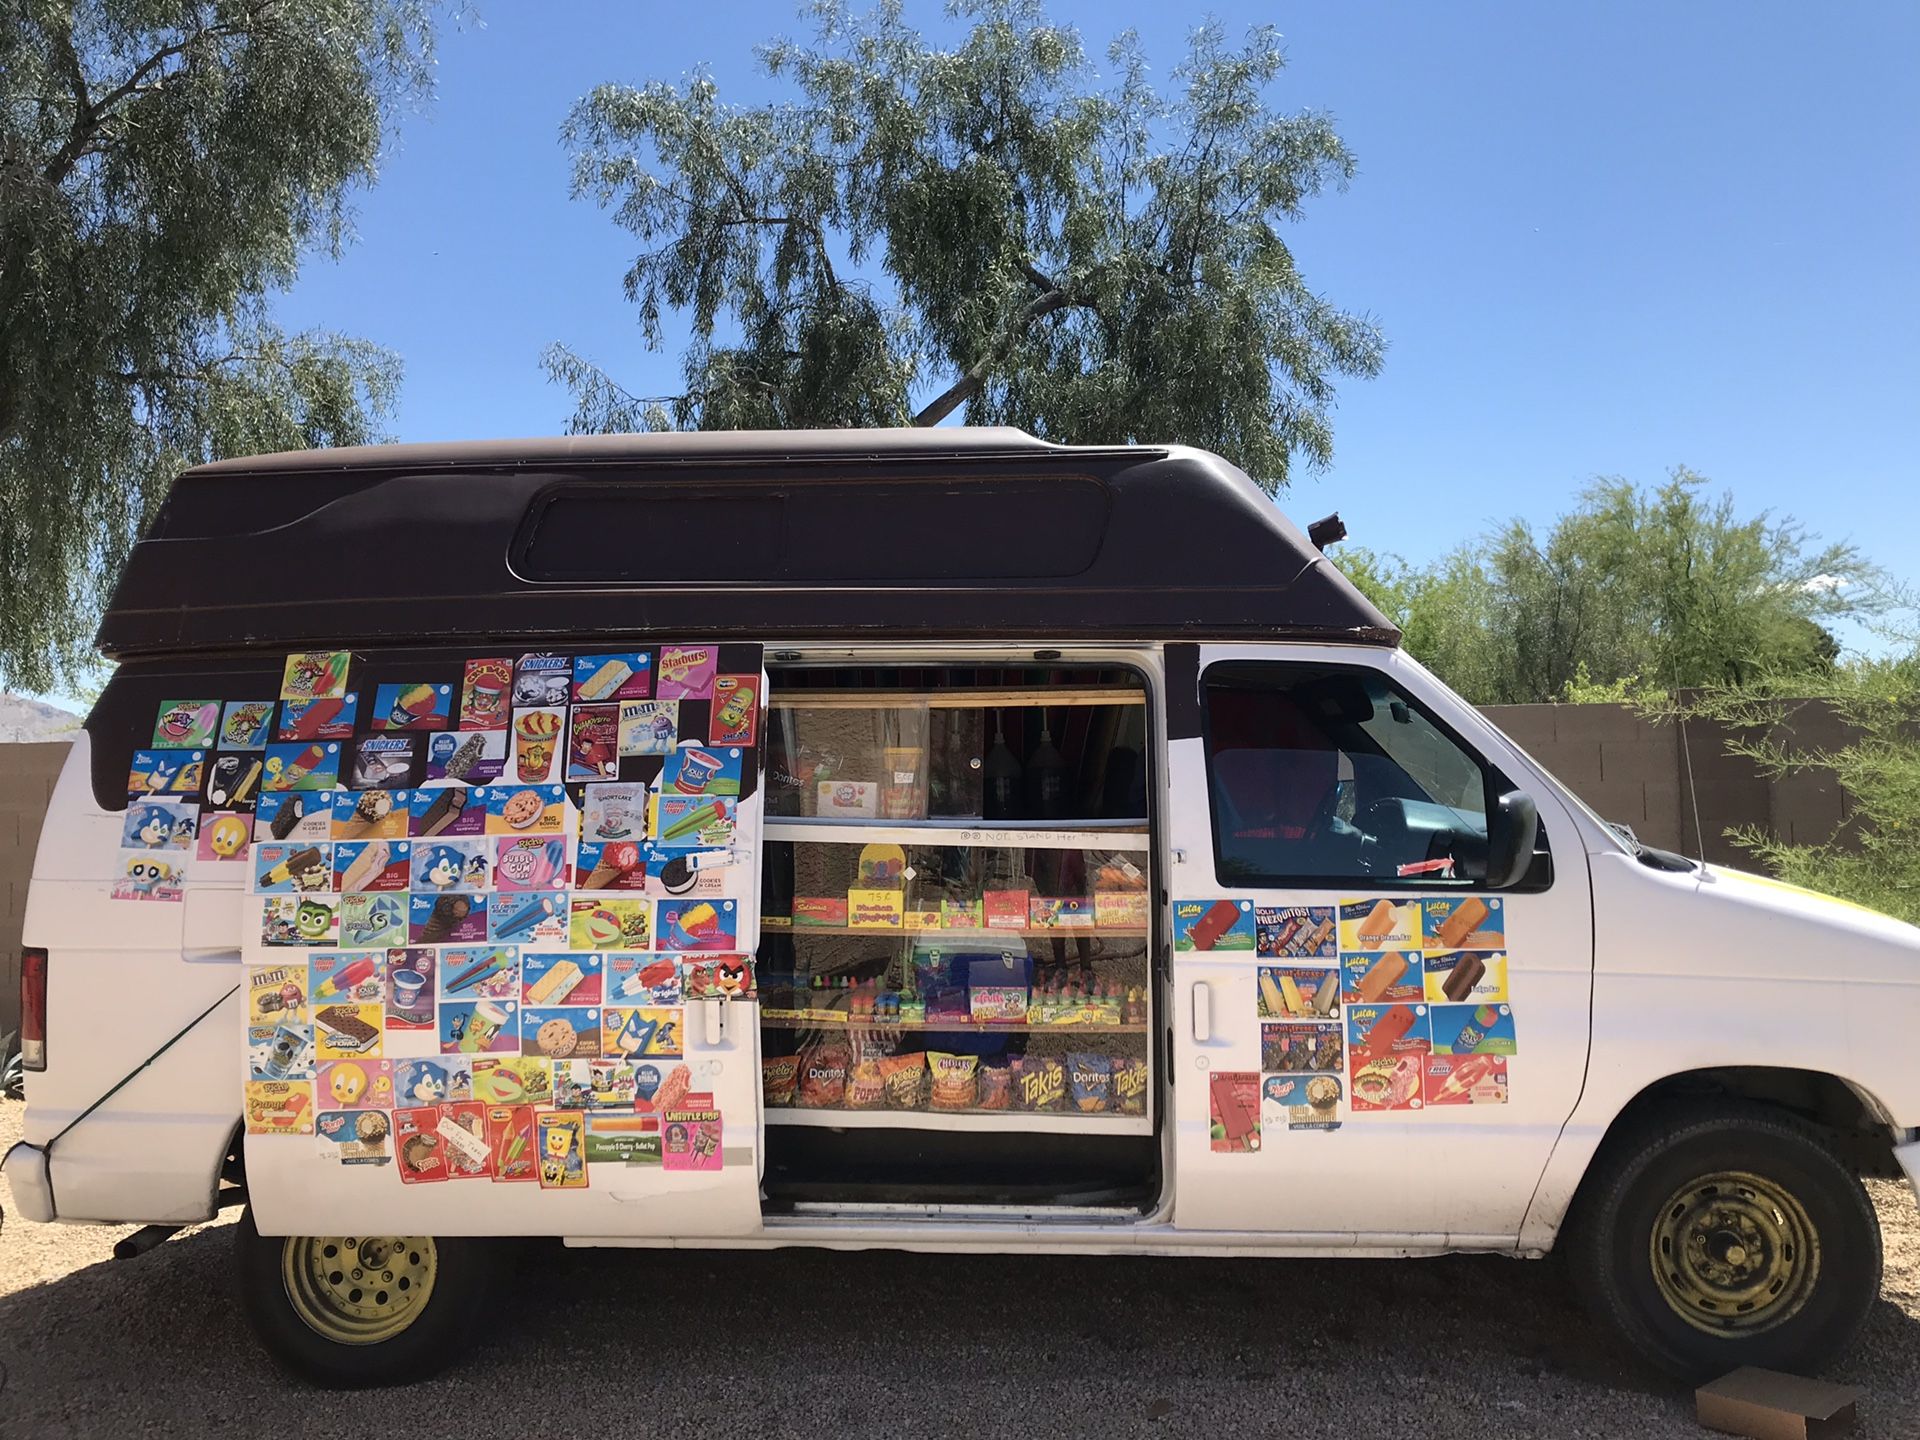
[[936, 840]]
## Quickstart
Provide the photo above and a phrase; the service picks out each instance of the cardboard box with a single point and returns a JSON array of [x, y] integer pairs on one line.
[[1767, 1405]]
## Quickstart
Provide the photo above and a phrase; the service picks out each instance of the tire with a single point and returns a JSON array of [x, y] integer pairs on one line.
[[1769, 1248], [390, 1340]]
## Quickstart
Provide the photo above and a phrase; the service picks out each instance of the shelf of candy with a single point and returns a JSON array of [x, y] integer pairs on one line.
[[1107, 1006], [844, 1083], [992, 890]]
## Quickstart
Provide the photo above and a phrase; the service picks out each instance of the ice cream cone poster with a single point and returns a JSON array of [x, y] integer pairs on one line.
[[1377, 925], [413, 706]]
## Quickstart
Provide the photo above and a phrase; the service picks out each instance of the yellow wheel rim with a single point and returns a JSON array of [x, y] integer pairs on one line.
[[1735, 1254], [358, 1290]]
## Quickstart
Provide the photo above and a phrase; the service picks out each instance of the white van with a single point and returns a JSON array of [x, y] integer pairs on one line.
[[935, 840]]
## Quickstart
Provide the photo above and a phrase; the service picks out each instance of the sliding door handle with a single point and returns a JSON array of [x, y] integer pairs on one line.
[[1202, 1011]]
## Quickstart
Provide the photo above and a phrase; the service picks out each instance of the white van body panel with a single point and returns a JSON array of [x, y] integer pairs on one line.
[[122, 979], [1714, 968], [1459, 1177], [1785, 978]]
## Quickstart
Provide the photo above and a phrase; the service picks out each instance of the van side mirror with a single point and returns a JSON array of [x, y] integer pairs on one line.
[[1512, 829]]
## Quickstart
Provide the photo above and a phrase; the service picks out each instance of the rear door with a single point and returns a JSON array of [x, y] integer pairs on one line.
[[1368, 1040], [514, 1003]]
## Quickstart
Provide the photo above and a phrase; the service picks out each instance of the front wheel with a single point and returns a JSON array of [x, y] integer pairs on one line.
[[1722, 1236], [348, 1312]]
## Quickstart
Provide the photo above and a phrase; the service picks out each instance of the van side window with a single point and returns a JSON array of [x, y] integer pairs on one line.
[[1323, 774]]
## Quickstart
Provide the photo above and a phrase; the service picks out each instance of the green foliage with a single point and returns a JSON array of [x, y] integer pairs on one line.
[[1874, 859], [163, 165], [1632, 590], [1090, 262], [1583, 689]]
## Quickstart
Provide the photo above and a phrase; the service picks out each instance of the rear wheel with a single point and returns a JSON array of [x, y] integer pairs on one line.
[[348, 1311], [1726, 1236]]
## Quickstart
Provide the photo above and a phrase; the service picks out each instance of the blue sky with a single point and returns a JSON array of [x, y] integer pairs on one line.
[[1602, 240]]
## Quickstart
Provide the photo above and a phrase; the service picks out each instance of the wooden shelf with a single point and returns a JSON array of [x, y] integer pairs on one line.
[[980, 1027], [1047, 695], [1128, 835], [1030, 1121], [1043, 932]]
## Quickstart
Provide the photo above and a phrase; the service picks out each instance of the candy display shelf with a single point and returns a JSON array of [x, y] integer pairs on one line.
[[970, 936], [1063, 1122], [777, 1021], [1052, 697], [1128, 835]]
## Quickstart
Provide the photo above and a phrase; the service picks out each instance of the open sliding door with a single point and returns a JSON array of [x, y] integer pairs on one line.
[[500, 915]]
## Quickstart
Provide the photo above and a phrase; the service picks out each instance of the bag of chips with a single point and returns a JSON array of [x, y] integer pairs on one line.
[[866, 1085], [779, 1077], [1090, 1080], [823, 1076], [955, 1080], [904, 1077], [996, 1087], [1130, 1084], [1039, 1083]]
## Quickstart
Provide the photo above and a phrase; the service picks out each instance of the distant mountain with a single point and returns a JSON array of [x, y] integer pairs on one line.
[[24, 720]]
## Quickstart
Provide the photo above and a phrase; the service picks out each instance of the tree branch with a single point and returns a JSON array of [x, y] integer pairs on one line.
[[968, 385]]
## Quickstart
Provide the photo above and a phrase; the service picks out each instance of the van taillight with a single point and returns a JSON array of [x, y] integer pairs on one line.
[[33, 1009]]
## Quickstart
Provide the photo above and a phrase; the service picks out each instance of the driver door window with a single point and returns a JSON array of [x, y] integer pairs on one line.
[[1326, 774]]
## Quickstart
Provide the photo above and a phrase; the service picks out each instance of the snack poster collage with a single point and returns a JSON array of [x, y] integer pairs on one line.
[[478, 902], [1372, 1006]]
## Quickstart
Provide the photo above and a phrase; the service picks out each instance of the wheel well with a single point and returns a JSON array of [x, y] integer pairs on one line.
[[1853, 1123]]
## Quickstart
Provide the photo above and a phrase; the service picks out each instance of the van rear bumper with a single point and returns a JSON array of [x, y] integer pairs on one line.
[[26, 1172]]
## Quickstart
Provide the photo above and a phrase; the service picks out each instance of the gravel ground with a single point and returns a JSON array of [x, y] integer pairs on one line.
[[805, 1343]]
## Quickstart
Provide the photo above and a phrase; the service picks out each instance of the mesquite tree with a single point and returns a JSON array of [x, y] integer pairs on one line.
[[987, 226], [163, 166]]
